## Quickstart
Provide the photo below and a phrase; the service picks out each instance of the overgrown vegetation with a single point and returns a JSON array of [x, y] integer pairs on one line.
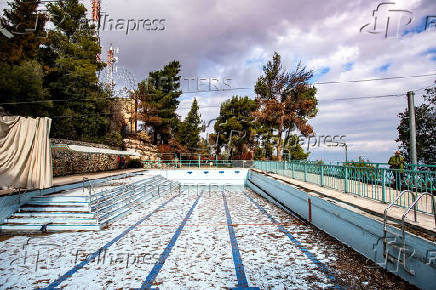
[[55, 73], [425, 130]]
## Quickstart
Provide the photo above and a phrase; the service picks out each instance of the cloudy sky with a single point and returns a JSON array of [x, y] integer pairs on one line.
[[234, 39]]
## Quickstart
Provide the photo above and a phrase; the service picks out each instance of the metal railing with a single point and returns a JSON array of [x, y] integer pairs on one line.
[[400, 246], [108, 205], [173, 164], [381, 184]]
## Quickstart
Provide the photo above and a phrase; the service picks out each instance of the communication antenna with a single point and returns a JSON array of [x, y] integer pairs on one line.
[[111, 67], [95, 18]]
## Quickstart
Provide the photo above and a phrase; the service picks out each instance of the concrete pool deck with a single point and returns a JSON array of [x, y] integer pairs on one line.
[[64, 180], [425, 225]]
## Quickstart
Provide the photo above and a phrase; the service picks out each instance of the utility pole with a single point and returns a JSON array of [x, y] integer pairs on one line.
[[412, 127], [346, 153], [136, 112]]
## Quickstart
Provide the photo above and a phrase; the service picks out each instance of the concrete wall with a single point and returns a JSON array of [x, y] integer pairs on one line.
[[353, 228], [205, 176]]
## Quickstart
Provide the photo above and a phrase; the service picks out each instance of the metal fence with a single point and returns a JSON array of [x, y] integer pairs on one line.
[[172, 164], [381, 184]]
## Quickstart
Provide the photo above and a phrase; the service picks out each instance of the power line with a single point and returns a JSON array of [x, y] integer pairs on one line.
[[219, 90], [116, 98], [128, 99], [79, 116], [374, 79], [369, 97]]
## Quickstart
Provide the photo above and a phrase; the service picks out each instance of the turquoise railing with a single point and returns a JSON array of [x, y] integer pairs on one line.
[[170, 164], [421, 167], [381, 184]]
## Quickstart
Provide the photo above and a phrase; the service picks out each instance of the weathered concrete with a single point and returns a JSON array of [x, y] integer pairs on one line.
[[353, 226], [10, 203]]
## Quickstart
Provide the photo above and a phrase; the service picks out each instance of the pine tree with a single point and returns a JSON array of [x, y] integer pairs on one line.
[[190, 129], [286, 100], [236, 126], [21, 76], [26, 32], [159, 95], [69, 58]]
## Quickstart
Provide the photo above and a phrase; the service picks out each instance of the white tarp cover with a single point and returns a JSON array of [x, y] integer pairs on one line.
[[25, 157], [88, 149]]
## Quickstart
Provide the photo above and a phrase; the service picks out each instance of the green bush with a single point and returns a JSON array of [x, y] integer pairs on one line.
[[134, 163], [114, 139]]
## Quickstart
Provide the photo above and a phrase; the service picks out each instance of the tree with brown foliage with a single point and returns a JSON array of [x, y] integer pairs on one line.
[[286, 100]]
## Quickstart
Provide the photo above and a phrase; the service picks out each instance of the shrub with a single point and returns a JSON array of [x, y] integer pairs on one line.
[[134, 163]]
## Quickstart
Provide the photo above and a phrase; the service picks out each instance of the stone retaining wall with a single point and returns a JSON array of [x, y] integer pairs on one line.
[[69, 163]]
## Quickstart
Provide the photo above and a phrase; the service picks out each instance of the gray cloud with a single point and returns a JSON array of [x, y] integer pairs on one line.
[[235, 38]]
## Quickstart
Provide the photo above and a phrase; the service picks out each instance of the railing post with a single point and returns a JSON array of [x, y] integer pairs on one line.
[[322, 175], [293, 170], [383, 185], [199, 161], [305, 172], [346, 180]]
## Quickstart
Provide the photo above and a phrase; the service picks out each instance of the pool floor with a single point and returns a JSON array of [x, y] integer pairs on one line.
[[201, 241]]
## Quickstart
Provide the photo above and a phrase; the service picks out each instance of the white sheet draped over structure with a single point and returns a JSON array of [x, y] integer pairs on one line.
[[25, 157], [93, 150]]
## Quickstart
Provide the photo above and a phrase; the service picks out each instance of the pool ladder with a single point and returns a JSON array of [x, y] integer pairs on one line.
[[400, 246]]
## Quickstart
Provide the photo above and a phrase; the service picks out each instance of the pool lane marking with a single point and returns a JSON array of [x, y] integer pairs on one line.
[[305, 251], [166, 252], [91, 257], [212, 225], [237, 260]]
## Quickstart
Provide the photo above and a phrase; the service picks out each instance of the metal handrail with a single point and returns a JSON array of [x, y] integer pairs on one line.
[[128, 188], [395, 200], [414, 205], [385, 229], [200, 184], [403, 224], [210, 186]]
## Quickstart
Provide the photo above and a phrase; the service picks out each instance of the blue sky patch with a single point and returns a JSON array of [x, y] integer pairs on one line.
[[420, 27], [319, 73], [385, 67], [348, 66]]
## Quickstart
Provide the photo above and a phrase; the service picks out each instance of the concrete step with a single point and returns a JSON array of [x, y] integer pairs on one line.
[[51, 227], [59, 212], [57, 203], [55, 209], [55, 214], [60, 198], [54, 220]]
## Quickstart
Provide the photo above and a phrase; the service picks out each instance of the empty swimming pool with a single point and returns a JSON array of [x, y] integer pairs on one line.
[[196, 237]]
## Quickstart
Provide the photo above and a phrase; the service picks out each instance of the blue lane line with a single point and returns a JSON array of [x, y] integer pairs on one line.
[[159, 264], [306, 252], [237, 260], [89, 258]]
